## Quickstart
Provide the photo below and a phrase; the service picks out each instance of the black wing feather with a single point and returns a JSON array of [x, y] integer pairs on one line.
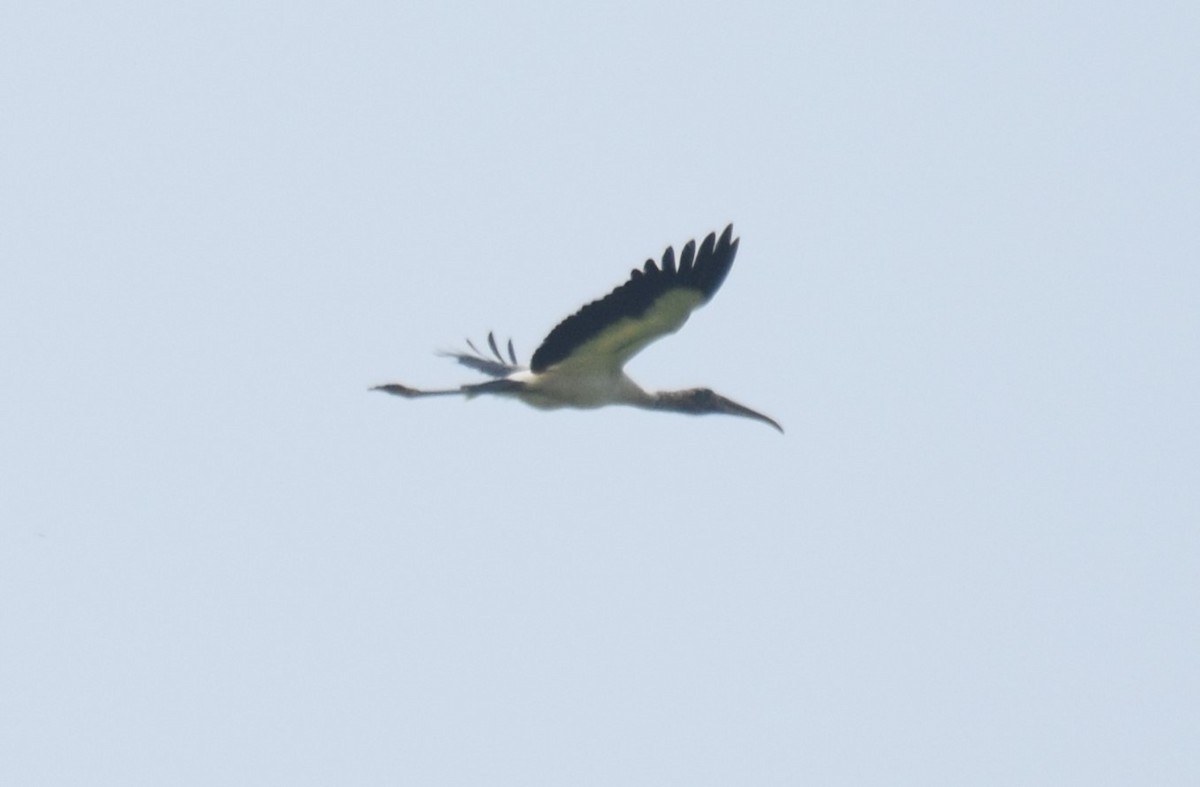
[[704, 272], [481, 363]]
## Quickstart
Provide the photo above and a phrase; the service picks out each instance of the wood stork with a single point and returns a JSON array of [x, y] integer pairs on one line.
[[579, 364]]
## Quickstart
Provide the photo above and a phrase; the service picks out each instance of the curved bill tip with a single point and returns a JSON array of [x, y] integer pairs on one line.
[[733, 408], [766, 420]]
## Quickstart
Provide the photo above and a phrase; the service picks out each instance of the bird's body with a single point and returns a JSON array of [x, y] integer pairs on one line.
[[580, 363], [557, 387]]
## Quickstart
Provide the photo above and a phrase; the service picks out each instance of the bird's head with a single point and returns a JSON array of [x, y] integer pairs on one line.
[[700, 401]]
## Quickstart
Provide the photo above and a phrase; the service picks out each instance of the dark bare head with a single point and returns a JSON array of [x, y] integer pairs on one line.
[[701, 401]]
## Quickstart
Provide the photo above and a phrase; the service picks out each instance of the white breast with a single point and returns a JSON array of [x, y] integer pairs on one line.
[[567, 385]]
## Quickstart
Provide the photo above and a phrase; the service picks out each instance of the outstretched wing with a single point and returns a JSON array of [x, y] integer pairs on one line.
[[653, 303], [481, 363]]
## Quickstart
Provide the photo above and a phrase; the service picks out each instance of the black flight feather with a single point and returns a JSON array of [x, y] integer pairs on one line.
[[481, 363], [702, 270]]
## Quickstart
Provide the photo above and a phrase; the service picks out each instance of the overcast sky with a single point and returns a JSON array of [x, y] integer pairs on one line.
[[968, 286]]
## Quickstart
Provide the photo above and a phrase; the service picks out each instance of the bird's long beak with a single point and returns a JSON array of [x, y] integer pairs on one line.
[[730, 407]]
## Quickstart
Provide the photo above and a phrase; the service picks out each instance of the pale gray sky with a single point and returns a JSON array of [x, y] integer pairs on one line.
[[968, 285]]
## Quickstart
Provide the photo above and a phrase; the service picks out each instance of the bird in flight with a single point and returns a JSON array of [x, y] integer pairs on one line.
[[581, 362]]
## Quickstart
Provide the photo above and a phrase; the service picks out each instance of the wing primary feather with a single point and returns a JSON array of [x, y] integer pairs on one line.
[[495, 349], [480, 364], [687, 257], [668, 261]]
